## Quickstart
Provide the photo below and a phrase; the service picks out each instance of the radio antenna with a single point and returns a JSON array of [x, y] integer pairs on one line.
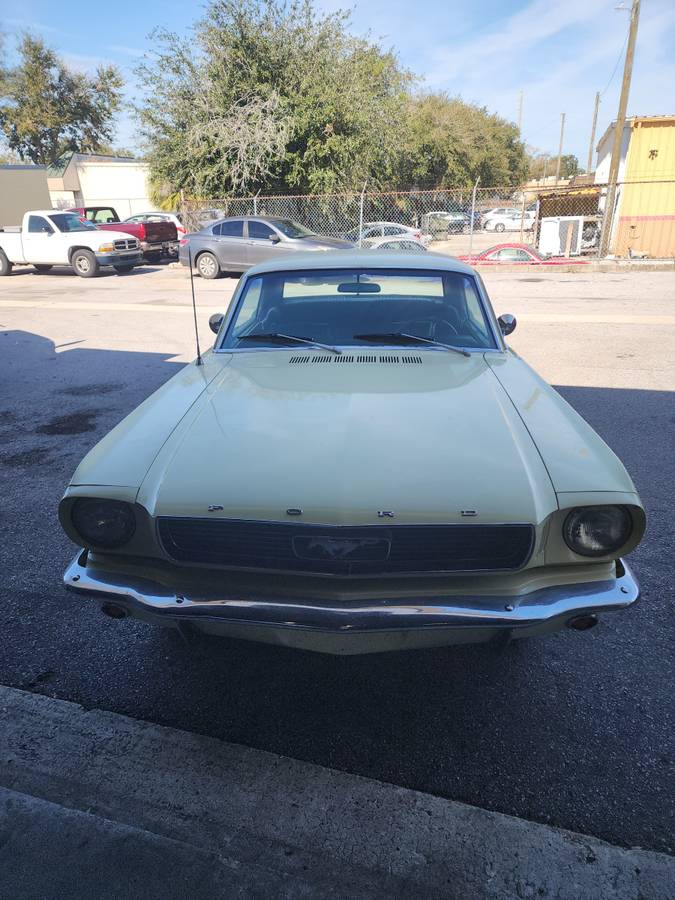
[[200, 361]]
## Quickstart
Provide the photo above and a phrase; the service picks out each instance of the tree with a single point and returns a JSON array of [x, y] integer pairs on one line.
[[449, 143], [270, 95], [46, 109], [274, 96], [544, 164]]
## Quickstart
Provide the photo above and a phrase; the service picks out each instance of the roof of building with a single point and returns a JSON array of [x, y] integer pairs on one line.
[[22, 166], [631, 122]]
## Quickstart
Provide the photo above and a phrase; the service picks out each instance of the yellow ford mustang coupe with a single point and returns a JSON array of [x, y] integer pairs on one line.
[[358, 464]]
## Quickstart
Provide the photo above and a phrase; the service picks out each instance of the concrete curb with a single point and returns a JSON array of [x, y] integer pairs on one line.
[[97, 804]]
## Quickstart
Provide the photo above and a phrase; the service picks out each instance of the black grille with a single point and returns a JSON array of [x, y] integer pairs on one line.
[[346, 550]]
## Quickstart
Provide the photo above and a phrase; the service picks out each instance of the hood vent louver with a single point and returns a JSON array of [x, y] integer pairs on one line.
[[330, 358]]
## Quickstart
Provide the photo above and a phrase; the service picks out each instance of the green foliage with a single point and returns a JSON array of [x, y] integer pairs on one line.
[[276, 97], [449, 143], [46, 109], [544, 164], [270, 96]]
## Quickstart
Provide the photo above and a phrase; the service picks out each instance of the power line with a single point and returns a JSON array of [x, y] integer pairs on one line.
[[616, 65]]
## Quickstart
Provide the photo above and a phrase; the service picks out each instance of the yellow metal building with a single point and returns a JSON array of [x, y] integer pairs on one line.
[[645, 217]]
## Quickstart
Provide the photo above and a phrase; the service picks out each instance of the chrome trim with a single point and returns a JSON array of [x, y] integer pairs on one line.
[[555, 605]]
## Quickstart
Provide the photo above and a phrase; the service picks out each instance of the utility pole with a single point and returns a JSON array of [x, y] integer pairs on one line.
[[618, 130], [591, 147], [520, 113], [560, 146]]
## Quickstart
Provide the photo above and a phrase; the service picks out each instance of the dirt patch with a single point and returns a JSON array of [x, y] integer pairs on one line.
[[74, 423], [91, 390], [26, 458]]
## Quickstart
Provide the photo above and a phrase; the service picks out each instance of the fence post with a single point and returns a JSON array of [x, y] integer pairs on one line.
[[473, 212], [255, 203], [363, 192], [522, 216]]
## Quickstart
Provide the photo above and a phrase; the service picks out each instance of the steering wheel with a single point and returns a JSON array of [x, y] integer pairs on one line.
[[434, 324]]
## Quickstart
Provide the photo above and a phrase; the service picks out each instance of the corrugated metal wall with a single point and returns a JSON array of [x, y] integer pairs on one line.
[[646, 215]]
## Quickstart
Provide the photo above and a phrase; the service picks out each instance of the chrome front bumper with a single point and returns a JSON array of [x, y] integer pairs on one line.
[[357, 627]]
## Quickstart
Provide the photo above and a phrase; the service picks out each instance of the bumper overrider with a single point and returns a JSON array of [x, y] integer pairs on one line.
[[357, 626]]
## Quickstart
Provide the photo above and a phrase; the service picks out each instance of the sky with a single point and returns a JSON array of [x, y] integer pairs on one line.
[[557, 52]]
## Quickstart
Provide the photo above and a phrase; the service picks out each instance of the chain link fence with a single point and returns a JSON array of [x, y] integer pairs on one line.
[[552, 221]]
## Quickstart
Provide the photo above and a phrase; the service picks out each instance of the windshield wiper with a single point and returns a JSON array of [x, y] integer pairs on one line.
[[288, 338], [399, 336]]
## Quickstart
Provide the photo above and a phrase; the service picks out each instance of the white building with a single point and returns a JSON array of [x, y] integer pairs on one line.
[[88, 179], [604, 151]]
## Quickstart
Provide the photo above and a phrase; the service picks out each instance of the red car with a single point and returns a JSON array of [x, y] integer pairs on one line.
[[519, 253]]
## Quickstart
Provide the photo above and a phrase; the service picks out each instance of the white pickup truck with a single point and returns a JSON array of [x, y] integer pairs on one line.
[[50, 237]]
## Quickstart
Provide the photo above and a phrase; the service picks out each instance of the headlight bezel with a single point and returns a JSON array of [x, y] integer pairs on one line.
[[574, 520], [121, 517]]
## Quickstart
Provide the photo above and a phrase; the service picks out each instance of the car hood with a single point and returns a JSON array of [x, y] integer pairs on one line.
[[320, 241], [342, 438]]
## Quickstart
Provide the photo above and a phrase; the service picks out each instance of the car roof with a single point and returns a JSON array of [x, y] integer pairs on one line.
[[368, 259], [509, 245]]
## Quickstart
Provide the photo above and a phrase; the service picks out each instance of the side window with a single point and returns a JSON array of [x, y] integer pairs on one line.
[[232, 228], [475, 311], [249, 308], [392, 229], [103, 216], [523, 256], [38, 225], [259, 231]]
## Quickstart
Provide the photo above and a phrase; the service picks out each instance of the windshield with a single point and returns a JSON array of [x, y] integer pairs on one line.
[[71, 222], [291, 229], [359, 307]]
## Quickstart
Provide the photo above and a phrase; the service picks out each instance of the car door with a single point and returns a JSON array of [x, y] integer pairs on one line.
[[229, 245], [265, 242], [41, 242]]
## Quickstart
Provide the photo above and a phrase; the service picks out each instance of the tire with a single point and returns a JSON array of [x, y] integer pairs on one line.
[[85, 264], [153, 257], [500, 227], [123, 270], [41, 268], [207, 265], [5, 265]]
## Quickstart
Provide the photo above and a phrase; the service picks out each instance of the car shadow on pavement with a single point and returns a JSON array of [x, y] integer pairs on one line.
[[105, 272], [567, 729]]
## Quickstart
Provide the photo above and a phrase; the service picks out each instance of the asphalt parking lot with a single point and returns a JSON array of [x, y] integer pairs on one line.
[[574, 730]]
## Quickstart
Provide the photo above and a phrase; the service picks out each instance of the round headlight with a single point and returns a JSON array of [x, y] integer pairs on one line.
[[103, 523], [597, 530]]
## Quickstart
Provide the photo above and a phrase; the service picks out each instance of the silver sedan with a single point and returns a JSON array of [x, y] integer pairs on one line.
[[236, 244]]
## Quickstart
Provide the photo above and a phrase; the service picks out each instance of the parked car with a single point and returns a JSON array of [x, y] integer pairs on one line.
[[156, 238], [399, 243], [359, 464], [501, 211], [159, 216], [519, 253], [382, 229], [439, 224], [232, 245], [509, 221], [50, 237]]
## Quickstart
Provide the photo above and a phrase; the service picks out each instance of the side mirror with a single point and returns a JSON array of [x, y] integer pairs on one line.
[[273, 239], [507, 323], [215, 321]]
